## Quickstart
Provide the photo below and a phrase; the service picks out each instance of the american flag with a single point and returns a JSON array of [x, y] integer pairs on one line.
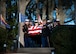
[[34, 30]]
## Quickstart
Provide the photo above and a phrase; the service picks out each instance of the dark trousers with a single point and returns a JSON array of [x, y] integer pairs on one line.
[[44, 41], [28, 42], [37, 40]]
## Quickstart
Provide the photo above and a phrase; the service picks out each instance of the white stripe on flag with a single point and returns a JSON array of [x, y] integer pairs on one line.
[[36, 31], [31, 28]]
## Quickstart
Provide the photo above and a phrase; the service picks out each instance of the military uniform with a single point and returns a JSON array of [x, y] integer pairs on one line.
[[45, 34]]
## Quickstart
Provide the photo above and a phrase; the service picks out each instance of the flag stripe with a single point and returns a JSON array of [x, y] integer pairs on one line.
[[34, 30]]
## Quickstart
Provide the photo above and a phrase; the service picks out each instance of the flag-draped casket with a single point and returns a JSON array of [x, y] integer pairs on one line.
[[34, 30]]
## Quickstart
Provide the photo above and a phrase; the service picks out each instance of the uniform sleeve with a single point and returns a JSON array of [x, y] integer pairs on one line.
[[24, 29], [48, 30]]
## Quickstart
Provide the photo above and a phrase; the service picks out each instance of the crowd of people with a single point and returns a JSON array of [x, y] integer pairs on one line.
[[37, 34]]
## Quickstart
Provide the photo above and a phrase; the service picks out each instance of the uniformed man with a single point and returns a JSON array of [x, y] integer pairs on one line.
[[27, 39], [56, 22], [50, 25], [45, 34]]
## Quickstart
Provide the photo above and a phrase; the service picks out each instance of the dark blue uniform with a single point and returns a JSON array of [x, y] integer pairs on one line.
[[27, 38], [45, 34]]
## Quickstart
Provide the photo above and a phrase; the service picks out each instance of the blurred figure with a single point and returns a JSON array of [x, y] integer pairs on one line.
[[27, 39], [34, 32], [45, 34], [50, 25], [56, 22], [31, 23], [38, 35], [3, 21], [40, 23], [36, 23]]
